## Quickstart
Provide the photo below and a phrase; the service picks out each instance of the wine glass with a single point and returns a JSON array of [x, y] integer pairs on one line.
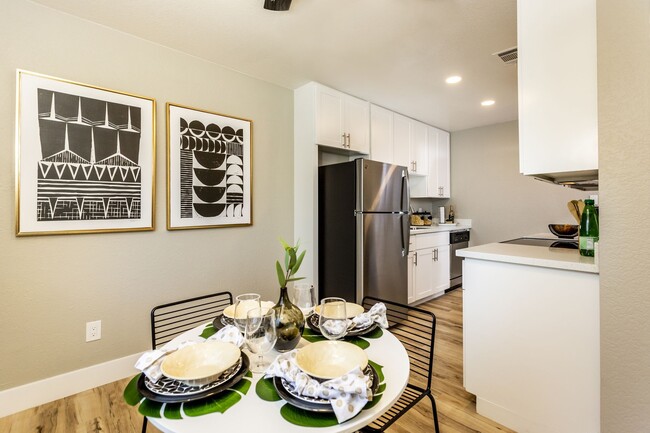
[[243, 303], [333, 320], [260, 334], [304, 298]]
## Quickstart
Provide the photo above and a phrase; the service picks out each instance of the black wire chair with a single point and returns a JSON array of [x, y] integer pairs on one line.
[[172, 319], [416, 330]]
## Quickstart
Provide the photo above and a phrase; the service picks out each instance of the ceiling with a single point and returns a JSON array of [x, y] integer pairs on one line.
[[395, 53]]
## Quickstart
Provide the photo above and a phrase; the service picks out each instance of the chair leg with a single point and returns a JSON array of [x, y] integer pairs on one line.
[[435, 412], [144, 424]]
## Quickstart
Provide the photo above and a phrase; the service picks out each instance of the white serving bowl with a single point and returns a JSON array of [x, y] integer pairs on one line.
[[201, 363], [230, 309], [330, 359], [351, 309]]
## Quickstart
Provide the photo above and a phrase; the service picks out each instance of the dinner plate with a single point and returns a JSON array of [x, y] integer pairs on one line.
[[312, 322], [229, 312], [351, 309], [201, 363], [330, 359], [313, 404], [167, 390]]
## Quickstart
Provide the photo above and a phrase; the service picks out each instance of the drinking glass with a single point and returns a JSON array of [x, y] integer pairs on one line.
[[333, 321], [243, 303], [261, 335], [304, 298]]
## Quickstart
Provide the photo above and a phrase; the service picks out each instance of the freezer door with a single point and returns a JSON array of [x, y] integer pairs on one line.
[[382, 187], [382, 257]]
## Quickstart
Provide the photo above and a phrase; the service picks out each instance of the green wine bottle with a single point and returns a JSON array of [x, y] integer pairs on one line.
[[588, 229]]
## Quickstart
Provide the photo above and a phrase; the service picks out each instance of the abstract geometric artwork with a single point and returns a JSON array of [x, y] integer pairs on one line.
[[86, 158], [209, 169]]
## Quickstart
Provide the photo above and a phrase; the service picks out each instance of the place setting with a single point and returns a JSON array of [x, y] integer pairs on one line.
[[338, 318]]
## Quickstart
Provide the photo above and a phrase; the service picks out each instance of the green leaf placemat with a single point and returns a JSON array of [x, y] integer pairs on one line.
[[313, 337], [209, 331], [266, 391], [218, 403]]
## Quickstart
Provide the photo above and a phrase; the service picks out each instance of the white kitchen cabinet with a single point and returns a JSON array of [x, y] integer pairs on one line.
[[558, 117], [438, 180], [342, 121], [401, 140], [381, 134], [429, 265], [418, 149]]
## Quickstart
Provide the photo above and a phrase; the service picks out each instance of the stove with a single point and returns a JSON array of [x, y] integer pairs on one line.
[[549, 243]]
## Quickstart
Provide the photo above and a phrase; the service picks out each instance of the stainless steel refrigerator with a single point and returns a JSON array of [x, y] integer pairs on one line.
[[363, 230]]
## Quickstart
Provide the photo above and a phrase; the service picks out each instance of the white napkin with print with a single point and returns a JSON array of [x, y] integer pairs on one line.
[[376, 314], [347, 394], [149, 362]]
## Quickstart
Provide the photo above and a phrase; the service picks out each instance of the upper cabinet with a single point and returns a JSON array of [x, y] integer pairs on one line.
[[342, 121], [558, 118], [381, 134], [438, 180], [402, 133]]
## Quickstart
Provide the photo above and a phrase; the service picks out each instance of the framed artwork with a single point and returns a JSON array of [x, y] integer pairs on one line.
[[208, 169], [85, 158]]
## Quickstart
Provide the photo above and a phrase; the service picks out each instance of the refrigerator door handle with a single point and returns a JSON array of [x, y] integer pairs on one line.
[[405, 191]]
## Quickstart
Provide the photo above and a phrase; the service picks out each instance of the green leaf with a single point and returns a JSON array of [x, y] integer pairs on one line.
[[280, 272], [295, 279], [285, 245], [375, 333], [313, 338], [292, 260], [286, 259], [380, 389], [358, 342], [173, 411], [131, 394], [209, 331], [150, 408], [266, 391], [218, 403], [379, 369], [307, 419], [373, 402], [242, 386], [296, 266]]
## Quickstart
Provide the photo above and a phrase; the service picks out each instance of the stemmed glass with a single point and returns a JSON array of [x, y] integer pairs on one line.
[[244, 303], [260, 334], [333, 320], [304, 298]]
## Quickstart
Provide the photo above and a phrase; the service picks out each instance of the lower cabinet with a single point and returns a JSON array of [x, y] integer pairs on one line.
[[428, 266]]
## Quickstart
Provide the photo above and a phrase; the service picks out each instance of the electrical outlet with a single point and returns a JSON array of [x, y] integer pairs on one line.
[[93, 330]]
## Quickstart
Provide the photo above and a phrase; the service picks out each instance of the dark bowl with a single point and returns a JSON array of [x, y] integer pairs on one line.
[[567, 231]]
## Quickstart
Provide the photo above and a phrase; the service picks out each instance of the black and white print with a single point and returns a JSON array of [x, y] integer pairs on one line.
[[209, 162], [86, 158]]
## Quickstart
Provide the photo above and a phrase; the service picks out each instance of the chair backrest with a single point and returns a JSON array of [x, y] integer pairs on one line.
[[416, 330], [170, 320]]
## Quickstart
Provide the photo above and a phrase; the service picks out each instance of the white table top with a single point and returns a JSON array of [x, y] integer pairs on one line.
[[252, 414]]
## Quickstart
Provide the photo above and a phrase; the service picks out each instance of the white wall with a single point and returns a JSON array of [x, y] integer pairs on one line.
[[624, 150], [487, 187], [52, 285]]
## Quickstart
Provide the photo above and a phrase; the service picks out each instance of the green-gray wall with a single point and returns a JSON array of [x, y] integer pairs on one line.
[[52, 285]]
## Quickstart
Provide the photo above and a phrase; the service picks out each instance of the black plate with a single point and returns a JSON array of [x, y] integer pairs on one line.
[[221, 321], [312, 322], [151, 395], [317, 407]]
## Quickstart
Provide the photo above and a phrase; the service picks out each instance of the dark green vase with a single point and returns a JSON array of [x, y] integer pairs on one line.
[[289, 323]]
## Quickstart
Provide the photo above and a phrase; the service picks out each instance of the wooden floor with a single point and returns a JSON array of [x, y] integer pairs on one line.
[[102, 410]]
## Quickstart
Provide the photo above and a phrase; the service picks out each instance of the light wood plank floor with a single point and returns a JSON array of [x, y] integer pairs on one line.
[[102, 410]]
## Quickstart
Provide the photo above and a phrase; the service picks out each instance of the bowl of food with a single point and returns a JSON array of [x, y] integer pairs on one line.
[[566, 231]]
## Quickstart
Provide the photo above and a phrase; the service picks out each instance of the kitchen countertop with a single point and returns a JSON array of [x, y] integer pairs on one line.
[[463, 224], [555, 258]]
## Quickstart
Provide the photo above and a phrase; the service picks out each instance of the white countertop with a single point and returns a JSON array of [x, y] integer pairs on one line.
[[462, 224], [556, 258]]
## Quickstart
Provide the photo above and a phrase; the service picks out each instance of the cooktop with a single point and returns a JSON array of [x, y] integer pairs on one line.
[[551, 243]]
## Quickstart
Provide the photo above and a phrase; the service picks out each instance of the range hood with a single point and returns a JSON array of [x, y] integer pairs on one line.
[[582, 180]]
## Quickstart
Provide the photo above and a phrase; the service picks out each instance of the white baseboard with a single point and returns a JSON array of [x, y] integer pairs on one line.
[[54, 388]]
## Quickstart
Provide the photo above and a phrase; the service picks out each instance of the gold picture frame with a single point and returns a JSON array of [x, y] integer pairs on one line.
[[85, 158], [209, 169]]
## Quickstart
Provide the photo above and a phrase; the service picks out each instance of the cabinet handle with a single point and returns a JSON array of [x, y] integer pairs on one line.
[[415, 258], [348, 135], [416, 166], [343, 135], [435, 255]]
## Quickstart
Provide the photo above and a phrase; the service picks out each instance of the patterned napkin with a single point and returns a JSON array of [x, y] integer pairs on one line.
[[376, 314], [150, 361], [347, 394]]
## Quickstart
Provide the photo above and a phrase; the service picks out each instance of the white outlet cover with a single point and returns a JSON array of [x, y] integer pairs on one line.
[[93, 330]]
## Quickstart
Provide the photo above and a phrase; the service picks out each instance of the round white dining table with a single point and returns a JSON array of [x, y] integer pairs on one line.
[[254, 415]]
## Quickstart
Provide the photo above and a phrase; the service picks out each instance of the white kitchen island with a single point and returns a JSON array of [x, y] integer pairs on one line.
[[531, 337]]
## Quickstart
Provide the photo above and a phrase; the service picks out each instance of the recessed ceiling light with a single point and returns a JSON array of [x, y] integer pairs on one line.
[[487, 102], [453, 79]]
